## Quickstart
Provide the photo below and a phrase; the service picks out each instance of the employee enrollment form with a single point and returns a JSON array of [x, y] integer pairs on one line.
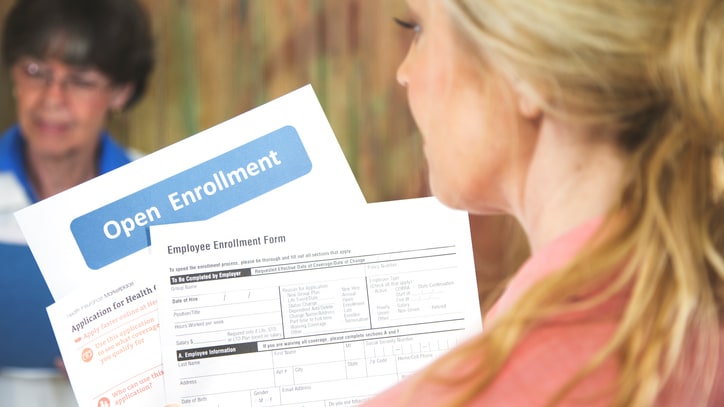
[[318, 310]]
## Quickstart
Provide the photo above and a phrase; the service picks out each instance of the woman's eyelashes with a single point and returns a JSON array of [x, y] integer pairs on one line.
[[409, 25]]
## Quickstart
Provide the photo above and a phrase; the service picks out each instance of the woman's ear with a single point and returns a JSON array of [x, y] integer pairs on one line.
[[528, 101], [121, 95]]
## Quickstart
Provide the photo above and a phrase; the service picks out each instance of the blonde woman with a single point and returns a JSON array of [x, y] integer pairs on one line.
[[599, 126]]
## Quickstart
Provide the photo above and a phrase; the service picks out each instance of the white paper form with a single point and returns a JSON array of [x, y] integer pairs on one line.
[[109, 339], [322, 310], [279, 157]]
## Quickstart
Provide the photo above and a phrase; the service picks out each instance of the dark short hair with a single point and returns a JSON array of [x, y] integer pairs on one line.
[[113, 36]]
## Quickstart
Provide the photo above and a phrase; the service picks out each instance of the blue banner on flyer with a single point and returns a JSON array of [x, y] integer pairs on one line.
[[120, 229]]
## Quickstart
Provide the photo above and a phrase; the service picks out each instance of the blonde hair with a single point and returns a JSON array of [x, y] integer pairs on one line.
[[651, 71]]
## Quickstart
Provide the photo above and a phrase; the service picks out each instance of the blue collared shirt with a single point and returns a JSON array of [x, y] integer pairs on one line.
[[27, 339]]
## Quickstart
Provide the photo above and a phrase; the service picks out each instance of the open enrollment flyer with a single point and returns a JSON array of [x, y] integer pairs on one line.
[[92, 241], [321, 310]]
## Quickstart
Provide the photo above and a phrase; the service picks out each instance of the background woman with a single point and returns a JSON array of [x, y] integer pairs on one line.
[[72, 63]]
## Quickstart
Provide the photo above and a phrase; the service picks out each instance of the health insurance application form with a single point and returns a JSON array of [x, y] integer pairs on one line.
[[313, 310]]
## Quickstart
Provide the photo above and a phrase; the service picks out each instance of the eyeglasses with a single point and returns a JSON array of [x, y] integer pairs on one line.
[[79, 84]]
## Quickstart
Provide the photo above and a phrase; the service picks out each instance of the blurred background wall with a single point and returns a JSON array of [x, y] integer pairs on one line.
[[219, 58]]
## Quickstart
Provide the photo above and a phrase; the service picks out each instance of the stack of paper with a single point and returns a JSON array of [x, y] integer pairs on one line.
[[242, 267]]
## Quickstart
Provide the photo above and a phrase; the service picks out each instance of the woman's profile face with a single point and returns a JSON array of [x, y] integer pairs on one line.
[[62, 109], [465, 113]]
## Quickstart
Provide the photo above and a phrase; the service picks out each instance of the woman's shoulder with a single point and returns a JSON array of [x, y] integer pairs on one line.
[[542, 363]]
